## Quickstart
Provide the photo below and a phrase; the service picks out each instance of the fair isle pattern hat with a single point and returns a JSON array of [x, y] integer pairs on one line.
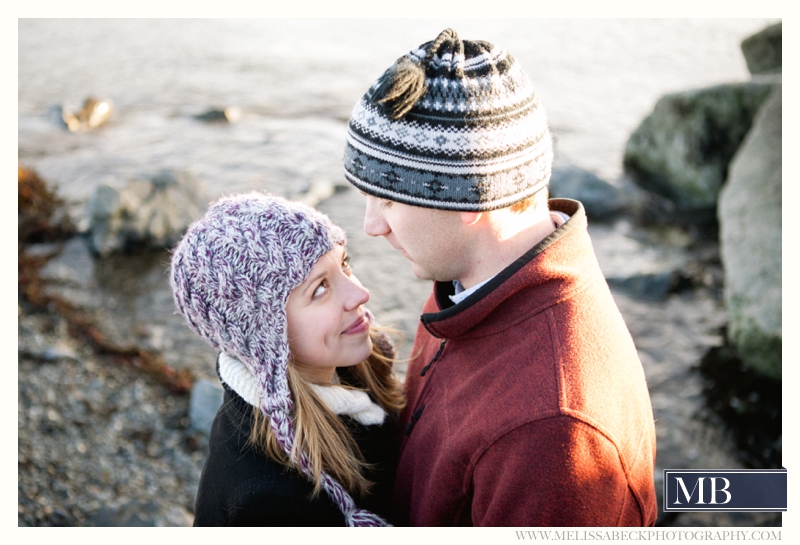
[[231, 276], [454, 125]]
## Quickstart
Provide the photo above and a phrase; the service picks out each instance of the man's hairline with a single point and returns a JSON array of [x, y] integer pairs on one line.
[[545, 188]]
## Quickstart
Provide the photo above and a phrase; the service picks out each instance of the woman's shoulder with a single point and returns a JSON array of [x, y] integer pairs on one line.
[[242, 486], [280, 496], [273, 495]]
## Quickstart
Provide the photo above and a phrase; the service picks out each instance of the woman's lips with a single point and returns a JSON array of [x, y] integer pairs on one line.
[[359, 326]]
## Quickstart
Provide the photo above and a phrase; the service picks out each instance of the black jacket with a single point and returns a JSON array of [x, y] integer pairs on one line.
[[241, 486]]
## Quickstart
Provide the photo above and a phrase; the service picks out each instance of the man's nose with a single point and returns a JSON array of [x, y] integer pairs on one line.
[[374, 223]]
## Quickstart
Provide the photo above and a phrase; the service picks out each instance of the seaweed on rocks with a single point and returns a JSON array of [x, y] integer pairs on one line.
[[41, 220], [40, 215]]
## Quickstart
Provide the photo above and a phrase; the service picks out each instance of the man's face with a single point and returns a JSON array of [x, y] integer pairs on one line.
[[431, 239]]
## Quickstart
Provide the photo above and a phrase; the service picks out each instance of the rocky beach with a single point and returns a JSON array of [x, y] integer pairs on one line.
[[115, 393]]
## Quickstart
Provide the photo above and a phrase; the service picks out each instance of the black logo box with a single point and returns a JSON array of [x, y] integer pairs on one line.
[[725, 490]]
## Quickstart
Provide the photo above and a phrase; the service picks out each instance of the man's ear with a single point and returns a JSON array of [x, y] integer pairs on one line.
[[470, 218]]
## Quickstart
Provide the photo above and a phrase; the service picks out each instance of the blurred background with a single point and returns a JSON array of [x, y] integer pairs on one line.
[[128, 128]]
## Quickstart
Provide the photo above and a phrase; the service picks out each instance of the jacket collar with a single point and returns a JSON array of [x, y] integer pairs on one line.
[[548, 268]]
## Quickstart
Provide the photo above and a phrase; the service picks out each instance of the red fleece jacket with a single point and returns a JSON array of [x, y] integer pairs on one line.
[[527, 401]]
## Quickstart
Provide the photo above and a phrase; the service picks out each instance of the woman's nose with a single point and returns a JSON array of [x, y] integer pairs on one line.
[[357, 294]]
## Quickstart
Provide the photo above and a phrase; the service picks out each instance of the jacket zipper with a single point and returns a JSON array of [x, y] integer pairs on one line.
[[415, 416], [436, 357]]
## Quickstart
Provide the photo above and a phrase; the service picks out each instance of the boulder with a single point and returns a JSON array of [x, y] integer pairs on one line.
[[750, 242], [763, 50], [600, 199], [647, 286], [153, 213], [682, 150]]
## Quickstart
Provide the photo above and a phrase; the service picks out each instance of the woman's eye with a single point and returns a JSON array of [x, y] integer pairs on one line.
[[320, 290], [346, 264]]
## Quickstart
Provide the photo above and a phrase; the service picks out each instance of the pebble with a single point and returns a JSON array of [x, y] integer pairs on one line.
[[137, 513], [99, 442]]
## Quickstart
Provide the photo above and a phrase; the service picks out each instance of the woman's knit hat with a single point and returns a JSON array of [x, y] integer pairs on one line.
[[231, 276], [454, 125]]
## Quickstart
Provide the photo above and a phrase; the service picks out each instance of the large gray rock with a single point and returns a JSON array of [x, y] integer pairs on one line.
[[647, 286], [601, 199], [763, 51], [750, 242], [682, 150], [154, 213]]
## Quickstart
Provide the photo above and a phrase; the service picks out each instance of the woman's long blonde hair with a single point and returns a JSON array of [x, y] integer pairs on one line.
[[320, 433]]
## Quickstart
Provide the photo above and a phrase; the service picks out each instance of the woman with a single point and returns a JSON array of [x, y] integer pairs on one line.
[[305, 435]]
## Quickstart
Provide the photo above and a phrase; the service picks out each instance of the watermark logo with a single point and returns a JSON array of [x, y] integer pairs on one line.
[[726, 490]]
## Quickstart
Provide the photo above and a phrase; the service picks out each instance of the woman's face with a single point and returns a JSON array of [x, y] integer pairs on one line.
[[326, 320]]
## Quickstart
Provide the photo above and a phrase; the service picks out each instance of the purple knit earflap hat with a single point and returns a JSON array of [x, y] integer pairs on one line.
[[231, 276]]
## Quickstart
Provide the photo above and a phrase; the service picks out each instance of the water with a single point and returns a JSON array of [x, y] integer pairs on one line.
[[297, 80]]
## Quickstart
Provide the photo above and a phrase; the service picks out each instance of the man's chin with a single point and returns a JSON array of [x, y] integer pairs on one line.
[[419, 273], [422, 274]]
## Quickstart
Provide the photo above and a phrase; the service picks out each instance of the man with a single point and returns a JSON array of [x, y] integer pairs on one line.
[[527, 402]]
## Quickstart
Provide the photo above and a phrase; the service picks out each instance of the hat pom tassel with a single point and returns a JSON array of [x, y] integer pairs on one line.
[[401, 87]]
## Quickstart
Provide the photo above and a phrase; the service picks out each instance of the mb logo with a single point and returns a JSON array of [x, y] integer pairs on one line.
[[716, 485], [746, 490]]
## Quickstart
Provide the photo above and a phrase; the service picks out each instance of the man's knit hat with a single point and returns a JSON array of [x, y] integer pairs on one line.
[[454, 125], [231, 276]]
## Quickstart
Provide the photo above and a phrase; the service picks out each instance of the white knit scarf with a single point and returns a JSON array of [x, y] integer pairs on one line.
[[342, 401]]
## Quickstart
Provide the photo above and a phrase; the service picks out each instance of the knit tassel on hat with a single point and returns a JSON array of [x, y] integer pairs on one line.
[[401, 87], [404, 84]]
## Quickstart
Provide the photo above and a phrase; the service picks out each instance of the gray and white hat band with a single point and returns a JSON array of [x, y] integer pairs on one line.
[[476, 140]]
